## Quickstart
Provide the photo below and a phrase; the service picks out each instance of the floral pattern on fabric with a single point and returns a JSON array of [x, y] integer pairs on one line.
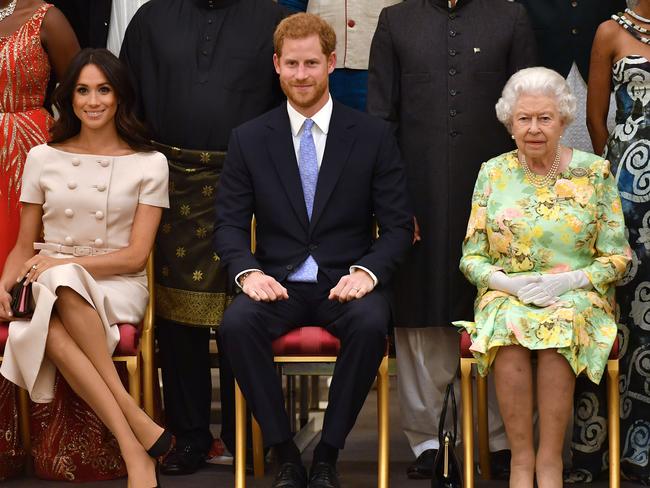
[[576, 224]]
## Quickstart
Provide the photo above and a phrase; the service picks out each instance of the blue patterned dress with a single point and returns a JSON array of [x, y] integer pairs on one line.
[[628, 150]]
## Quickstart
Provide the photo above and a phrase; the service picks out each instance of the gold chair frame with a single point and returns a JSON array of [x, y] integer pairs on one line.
[[613, 423], [142, 361]]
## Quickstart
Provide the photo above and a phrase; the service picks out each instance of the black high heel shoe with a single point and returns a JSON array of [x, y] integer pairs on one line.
[[162, 445], [158, 485]]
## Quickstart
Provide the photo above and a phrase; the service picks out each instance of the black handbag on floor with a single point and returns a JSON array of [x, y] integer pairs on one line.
[[21, 300], [446, 468]]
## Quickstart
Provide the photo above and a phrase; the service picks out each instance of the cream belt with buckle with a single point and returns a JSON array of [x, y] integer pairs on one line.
[[74, 250]]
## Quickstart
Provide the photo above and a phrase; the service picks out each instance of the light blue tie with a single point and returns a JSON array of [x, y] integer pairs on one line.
[[307, 272]]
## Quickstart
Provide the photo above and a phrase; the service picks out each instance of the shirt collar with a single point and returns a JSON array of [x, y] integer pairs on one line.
[[321, 118]]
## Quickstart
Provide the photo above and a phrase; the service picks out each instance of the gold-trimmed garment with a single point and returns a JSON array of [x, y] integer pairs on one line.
[[191, 285]]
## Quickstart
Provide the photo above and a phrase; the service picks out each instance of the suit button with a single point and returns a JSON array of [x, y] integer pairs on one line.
[[453, 92], [101, 187], [69, 213], [99, 215], [99, 242], [351, 23], [68, 240], [452, 33], [453, 112], [452, 16], [452, 71], [313, 247], [75, 161], [452, 52], [289, 267], [72, 185], [574, 4], [453, 133], [103, 163], [574, 31]]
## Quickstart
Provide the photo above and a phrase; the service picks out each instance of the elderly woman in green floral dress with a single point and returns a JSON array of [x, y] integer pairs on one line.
[[545, 244]]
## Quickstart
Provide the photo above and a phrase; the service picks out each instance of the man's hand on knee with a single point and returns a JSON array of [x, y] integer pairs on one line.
[[353, 286], [263, 288]]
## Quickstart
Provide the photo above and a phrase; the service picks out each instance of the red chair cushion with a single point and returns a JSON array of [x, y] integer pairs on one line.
[[4, 334], [129, 339], [307, 341], [466, 342]]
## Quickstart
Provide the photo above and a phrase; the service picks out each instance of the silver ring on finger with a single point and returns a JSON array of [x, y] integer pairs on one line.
[[355, 289], [34, 267]]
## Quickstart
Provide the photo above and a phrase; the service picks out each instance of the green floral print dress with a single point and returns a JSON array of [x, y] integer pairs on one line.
[[575, 224]]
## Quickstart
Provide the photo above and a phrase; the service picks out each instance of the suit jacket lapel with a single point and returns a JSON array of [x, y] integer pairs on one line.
[[337, 150], [283, 155]]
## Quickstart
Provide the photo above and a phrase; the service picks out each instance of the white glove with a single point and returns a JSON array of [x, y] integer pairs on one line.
[[511, 284], [552, 286]]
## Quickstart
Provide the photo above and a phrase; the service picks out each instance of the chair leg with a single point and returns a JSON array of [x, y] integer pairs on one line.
[[291, 402], [483, 430], [258, 449], [613, 422], [25, 437], [467, 420], [240, 438], [133, 369], [149, 380], [383, 428]]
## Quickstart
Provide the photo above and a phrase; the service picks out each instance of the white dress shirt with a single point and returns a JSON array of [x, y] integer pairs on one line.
[[354, 23], [319, 133]]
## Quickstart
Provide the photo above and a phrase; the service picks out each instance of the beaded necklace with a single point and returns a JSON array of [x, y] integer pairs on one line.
[[632, 28], [540, 181], [8, 10], [636, 16]]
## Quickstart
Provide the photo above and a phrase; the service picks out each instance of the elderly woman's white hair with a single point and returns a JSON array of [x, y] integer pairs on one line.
[[536, 81]]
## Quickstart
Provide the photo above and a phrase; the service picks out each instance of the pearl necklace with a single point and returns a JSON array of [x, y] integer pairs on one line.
[[636, 16], [540, 181], [8, 10]]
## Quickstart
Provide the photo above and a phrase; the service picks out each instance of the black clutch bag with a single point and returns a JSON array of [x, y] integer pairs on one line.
[[446, 468], [21, 300]]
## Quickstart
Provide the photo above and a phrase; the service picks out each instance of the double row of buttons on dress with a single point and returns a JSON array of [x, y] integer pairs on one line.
[[99, 215]]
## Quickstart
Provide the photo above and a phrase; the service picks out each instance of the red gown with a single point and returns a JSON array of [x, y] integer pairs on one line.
[[24, 123], [69, 442]]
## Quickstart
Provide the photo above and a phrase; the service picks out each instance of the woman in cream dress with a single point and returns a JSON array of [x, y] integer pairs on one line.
[[97, 199]]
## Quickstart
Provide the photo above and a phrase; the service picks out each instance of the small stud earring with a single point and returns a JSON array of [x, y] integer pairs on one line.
[[512, 137]]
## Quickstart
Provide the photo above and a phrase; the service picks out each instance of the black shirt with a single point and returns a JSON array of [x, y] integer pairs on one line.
[[202, 67], [565, 30]]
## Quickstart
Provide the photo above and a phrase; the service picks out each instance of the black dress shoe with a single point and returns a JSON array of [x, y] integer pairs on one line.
[[182, 460], [323, 475], [290, 475], [422, 467], [500, 464]]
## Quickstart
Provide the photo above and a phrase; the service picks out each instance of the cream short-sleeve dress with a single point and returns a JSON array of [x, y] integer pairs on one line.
[[87, 200]]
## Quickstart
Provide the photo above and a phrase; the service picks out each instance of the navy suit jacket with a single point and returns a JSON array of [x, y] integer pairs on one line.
[[361, 177]]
